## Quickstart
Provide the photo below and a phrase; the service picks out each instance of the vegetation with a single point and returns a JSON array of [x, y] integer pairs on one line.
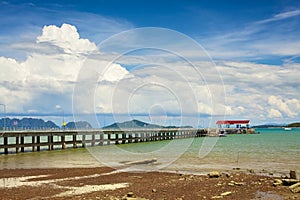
[[32, 123], [27, 123], [296, 124], [135, 124]]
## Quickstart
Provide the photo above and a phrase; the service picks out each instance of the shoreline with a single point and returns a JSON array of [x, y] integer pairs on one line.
[[108, 183]]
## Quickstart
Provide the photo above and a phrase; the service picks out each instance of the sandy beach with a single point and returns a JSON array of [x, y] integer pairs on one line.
[[107, 183]]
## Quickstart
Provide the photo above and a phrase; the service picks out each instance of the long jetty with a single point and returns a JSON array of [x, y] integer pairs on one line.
[[23, 141]]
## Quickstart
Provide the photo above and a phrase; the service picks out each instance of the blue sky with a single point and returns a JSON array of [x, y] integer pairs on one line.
[[226, 25], [255, 46]]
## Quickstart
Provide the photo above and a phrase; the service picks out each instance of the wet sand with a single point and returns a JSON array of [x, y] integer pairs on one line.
[[107, 183]]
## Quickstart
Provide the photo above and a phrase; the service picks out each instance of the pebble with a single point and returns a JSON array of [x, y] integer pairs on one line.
[[284, 177], [226, 193], [277, 182], [293, 174], [130, 194], [154, 190], [289, 182], [226, 174], [217, 197], [214, 174], [233, 183], [239, 183], [295, 188]]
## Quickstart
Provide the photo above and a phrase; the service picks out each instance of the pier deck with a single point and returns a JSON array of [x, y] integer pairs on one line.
[[21, 141]]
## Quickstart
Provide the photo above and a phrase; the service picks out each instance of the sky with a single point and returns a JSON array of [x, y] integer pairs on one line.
[[170, 63]]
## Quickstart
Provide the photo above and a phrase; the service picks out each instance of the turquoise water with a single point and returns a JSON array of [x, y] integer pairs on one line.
[[274, 149]]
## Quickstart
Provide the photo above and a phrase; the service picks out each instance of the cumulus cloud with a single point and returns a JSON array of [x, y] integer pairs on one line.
[[114, 72], [281, 105], [273, 113], [43, 80], [67, 38]]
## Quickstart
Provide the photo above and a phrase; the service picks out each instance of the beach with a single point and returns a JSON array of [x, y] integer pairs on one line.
[[248, 164], [107, 183]]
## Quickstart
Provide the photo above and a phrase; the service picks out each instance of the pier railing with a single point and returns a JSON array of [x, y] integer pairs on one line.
[[21, 141]]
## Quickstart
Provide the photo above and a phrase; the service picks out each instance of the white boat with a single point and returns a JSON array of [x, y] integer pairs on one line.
[[223, 133], [287, 129]]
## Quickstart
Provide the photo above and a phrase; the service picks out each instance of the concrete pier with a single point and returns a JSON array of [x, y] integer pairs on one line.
[[21, 141]]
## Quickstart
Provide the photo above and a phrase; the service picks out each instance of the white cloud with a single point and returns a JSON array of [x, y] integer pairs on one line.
[[67, 38], [114, 72], [281, 105], [43, 80], [273, 113], [281, 16], [275, 36]]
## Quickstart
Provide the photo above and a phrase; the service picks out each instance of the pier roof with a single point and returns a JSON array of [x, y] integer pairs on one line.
[[233, 122]]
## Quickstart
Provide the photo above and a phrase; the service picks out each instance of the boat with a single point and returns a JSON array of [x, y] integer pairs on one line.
[[223, 133], [287, 129]]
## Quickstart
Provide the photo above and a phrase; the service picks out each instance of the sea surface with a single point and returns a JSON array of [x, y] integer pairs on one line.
[[274, 150]]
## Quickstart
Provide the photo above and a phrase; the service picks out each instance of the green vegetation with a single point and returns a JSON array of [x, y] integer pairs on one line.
[[135, 124], [296, 124]]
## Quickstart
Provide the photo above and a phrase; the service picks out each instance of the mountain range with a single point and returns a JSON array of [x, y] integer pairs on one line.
[[136, 124], [32, 123]]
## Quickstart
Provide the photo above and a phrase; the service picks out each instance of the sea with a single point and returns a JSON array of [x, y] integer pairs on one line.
[[272, 151]]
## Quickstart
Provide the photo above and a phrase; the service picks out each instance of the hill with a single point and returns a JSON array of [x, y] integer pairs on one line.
[[296, 124], [27, 123], [79, 125], [33, 123], [136, 124]]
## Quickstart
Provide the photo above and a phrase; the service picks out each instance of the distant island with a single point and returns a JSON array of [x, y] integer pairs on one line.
[[136, 124], [33, 123], [296, 124]]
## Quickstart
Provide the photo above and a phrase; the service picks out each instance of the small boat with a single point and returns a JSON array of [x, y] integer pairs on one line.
[[223, 133], [287, 129]]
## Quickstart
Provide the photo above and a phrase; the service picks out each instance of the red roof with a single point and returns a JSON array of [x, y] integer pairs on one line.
[[233, 122]]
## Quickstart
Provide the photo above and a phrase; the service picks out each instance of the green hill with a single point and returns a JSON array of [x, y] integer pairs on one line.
[[296, 124], [136, 124], [79, 125], [27, 123]]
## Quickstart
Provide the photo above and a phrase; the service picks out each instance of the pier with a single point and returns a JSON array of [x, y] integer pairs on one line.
[[24, 141]]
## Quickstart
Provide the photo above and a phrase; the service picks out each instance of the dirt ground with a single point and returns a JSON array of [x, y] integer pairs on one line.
[[107, 183]]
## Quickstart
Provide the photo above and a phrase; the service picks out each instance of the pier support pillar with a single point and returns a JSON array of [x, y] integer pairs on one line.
[[38, 143], [74, 141], [50, 140], [83, 140], [102, 138], [63, 143], [17, 144], [117, 138], [5, 143], [22, 143], [93, 139], [33, 143], [109, 137], [130, 138], [123, 138]]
